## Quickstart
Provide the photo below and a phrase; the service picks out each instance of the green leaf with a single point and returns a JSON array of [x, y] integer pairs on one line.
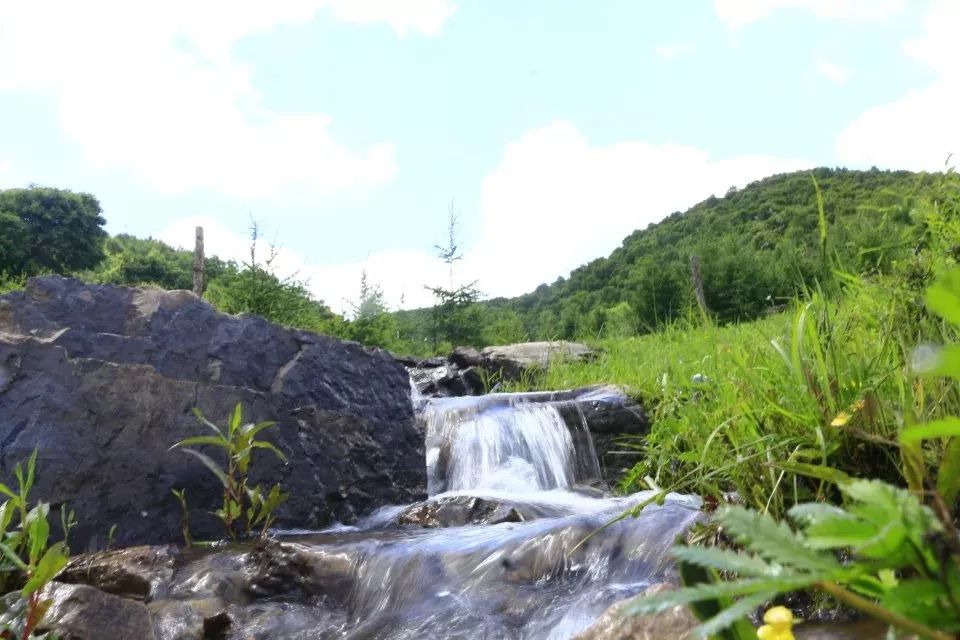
[[947, 363], [7, 491], [752, 586], [773, 540], [236, 418], [13, 557], [262, 444], [690, 575], [47, 568], [943, 428], [821, 472], [217, 441], [948, 478], [725, 560], [733, 614], [38, 530], [943, 297], [206, 422], [210, 464]]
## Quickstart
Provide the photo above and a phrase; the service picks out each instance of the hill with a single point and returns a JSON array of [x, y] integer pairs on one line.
[[756, 247]]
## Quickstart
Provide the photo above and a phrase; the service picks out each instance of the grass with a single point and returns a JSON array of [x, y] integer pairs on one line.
[[822, 383]]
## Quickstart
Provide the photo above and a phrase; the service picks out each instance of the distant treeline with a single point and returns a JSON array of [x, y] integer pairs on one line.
[[756, 247]]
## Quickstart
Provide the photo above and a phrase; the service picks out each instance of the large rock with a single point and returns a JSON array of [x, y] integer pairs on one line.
[[512, 361], [102, 380], [617, 624]]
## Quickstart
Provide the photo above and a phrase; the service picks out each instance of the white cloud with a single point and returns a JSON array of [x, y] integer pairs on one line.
[[156, 89], [674, 50], [832, 71], [554, 203], [5, 166], [739, 13], [919, 130]]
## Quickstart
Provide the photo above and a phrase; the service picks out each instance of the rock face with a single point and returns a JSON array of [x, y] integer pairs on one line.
[[102, 381], [615, 624]]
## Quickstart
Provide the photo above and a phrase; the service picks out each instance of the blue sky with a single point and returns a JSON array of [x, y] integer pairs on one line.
[[347, 127]]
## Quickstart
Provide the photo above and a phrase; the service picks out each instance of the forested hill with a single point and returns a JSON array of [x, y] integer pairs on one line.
[[755, 246]]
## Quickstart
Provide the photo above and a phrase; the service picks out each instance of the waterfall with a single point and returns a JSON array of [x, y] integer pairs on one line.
[[504, 443], [545, 572]]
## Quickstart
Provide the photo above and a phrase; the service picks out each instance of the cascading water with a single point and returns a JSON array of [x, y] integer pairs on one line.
[[537, 574]]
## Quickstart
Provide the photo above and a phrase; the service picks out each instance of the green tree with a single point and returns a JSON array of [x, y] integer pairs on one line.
[[257, 289], [44, 229], [456, 315], [371, 324]]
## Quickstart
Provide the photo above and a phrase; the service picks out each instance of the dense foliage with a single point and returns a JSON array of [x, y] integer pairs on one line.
[[49, 230], [757, 248]]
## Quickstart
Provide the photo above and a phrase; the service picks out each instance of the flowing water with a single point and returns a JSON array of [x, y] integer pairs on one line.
[[541, 576]]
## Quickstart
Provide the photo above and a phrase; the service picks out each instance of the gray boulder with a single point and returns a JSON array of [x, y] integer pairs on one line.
[[514, 360], [102, 380]]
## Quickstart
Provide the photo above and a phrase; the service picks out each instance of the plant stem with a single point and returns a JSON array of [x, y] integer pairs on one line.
[[872, 609]]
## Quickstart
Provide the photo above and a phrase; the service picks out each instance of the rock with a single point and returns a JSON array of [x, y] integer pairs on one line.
[[457, 511], [466, 357], [284, 568], [512, 361], [81, 612], [135, 572], [102, 380], [448, 381], [676, 623]]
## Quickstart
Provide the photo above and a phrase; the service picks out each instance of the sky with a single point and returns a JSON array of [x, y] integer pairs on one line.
[[349, 129]]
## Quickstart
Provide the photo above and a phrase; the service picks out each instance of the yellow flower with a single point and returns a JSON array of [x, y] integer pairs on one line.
[[779, 625]]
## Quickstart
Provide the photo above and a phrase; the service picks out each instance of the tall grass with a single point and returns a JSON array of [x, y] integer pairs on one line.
[[828, 381]]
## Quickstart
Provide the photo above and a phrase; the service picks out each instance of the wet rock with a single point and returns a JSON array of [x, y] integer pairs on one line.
[[81, 612], [466, 357], [135, 572], [102, 380], [175, 620], [457, 511], [512, 361], [615, 624], [283, 568]]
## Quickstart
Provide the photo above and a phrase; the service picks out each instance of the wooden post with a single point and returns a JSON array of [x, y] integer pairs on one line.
[[198, 263], [697, 282]]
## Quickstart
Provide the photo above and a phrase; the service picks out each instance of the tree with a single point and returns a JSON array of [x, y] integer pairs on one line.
[[456, 316], [371, 324], [256, 289], [44, 229]]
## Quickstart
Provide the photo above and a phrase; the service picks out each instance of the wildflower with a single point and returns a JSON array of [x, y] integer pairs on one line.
[[779, 625]]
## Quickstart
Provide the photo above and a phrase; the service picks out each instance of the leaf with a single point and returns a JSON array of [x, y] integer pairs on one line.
[[206, 422], [773, 540], [820, 472], [210, 464], [948, 478], [767, 586], [725, 560], [943, 297], [47, 568], [947, 363], [690, 575], [262, 444], [236, 418], [7, 491], [737, 612], [13, 557], [943, 428], [217, 441]]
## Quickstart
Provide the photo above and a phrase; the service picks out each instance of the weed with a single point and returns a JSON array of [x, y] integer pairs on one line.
[[244, 507]]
